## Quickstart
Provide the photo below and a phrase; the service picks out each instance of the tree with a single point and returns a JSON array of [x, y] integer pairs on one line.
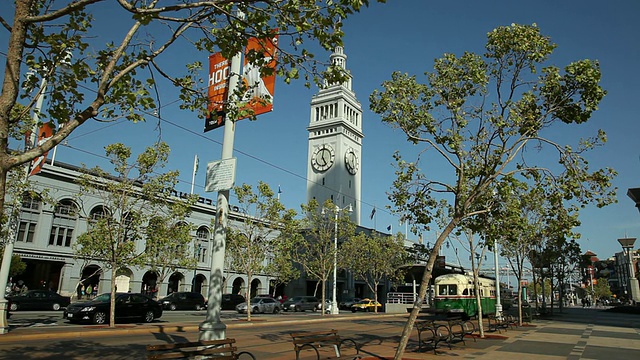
[[486, 118], [55, 41], [601, 289], [130, 202], [169, 241], [374, 258], [315, 251], [255, 240]]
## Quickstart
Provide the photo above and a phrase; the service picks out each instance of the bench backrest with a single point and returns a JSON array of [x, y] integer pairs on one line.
[[315, 337], [219, 349]]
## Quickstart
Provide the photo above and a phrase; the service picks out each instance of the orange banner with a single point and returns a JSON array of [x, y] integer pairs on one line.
[[260, 90], [219, 71]]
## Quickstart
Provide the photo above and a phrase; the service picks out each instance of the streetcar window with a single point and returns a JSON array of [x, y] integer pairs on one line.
[[453, 290], [465, 292], [442, 289]]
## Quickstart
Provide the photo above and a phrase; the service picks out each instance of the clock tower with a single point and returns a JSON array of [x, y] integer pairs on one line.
[[335, 144]]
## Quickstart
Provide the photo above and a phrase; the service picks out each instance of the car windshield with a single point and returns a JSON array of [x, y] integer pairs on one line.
[[255, 300]]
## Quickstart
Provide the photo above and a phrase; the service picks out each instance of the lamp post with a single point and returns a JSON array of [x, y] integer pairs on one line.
[[495, 260], [334, 301]]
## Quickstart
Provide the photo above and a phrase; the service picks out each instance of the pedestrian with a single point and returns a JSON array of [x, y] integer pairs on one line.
[[89, 291], [24, 289], [80, 291]]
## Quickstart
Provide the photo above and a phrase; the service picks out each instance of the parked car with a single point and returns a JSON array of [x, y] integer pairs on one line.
[[128, 306], [229, 301], [327, 306], [38, 300], [260, 305], [366, 305], [301, 303], [347, 303], [183, 301]]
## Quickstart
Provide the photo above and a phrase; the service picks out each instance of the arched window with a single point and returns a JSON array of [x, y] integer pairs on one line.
[[97, 213], [64, 222], [29, 215], [202, 241]]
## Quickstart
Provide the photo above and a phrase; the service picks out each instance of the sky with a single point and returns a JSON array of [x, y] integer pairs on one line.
[[407, 35]]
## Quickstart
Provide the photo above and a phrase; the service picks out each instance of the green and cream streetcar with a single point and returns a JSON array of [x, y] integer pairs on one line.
[[455, 295]]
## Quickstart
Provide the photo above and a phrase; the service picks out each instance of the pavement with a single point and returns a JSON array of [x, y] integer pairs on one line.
[[574, 334]]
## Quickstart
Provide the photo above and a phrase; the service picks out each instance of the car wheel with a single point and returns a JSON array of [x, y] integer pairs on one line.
[[99, 318], [172, 307], [13, 307], [198, 307], [276, 310], [56, 307], [148, 316], [353, 310], [255, 310]]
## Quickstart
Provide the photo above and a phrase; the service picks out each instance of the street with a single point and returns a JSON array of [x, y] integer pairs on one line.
[[575, 334]]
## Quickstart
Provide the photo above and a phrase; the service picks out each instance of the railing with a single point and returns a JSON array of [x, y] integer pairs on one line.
[[401, 298]]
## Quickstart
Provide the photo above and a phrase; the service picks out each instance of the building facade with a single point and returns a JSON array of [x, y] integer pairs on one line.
[[47, 232]]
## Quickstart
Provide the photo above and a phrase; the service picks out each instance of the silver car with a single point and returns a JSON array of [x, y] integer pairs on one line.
[[260, 305]]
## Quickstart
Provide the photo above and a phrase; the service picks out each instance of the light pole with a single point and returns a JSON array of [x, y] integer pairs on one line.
[[495, 260], [334, 301]]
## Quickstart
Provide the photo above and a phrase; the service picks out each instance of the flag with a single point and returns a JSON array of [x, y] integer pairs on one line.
[[196, 162], [373, 212], [389, 228]]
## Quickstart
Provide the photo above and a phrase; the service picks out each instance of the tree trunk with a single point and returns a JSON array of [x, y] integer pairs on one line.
[[424, 284]]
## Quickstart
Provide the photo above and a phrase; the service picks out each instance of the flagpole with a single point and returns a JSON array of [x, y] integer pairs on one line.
[[195, 169]]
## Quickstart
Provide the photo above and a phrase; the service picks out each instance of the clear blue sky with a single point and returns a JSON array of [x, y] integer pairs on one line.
[[407, 35]]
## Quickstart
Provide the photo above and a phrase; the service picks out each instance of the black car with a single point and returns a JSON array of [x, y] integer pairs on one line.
[[229, 301], [183, 301], [129, 306], [301, 303], [38, 300]]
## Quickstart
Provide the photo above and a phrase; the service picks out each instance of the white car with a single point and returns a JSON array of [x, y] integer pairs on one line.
[[260, 305], [327, 306]]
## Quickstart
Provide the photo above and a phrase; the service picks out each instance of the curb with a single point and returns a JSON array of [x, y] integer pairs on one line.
[[100, 330]]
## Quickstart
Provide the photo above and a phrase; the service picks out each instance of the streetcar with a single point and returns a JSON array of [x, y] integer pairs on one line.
[[455, 295]]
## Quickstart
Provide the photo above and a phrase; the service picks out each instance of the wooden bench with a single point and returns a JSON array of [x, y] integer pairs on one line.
[[206, 349], [461, 328], [317, 339], [430, 333]]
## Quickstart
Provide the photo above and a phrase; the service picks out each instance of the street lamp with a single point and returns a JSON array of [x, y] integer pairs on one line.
[[334, 302], [498, 300]]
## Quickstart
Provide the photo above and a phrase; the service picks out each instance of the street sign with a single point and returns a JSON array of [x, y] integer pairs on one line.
[[221, 175]]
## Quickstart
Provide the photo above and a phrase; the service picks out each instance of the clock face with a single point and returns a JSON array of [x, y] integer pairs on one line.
[[323, 157], [351, 161]]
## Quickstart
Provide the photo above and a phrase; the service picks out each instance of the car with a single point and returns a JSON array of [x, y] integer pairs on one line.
[[263, 305], [229, 301], [38, 300], [366, 305], [301, 303], [129, 306], [347, 303], [327, 306], [183, 301]]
